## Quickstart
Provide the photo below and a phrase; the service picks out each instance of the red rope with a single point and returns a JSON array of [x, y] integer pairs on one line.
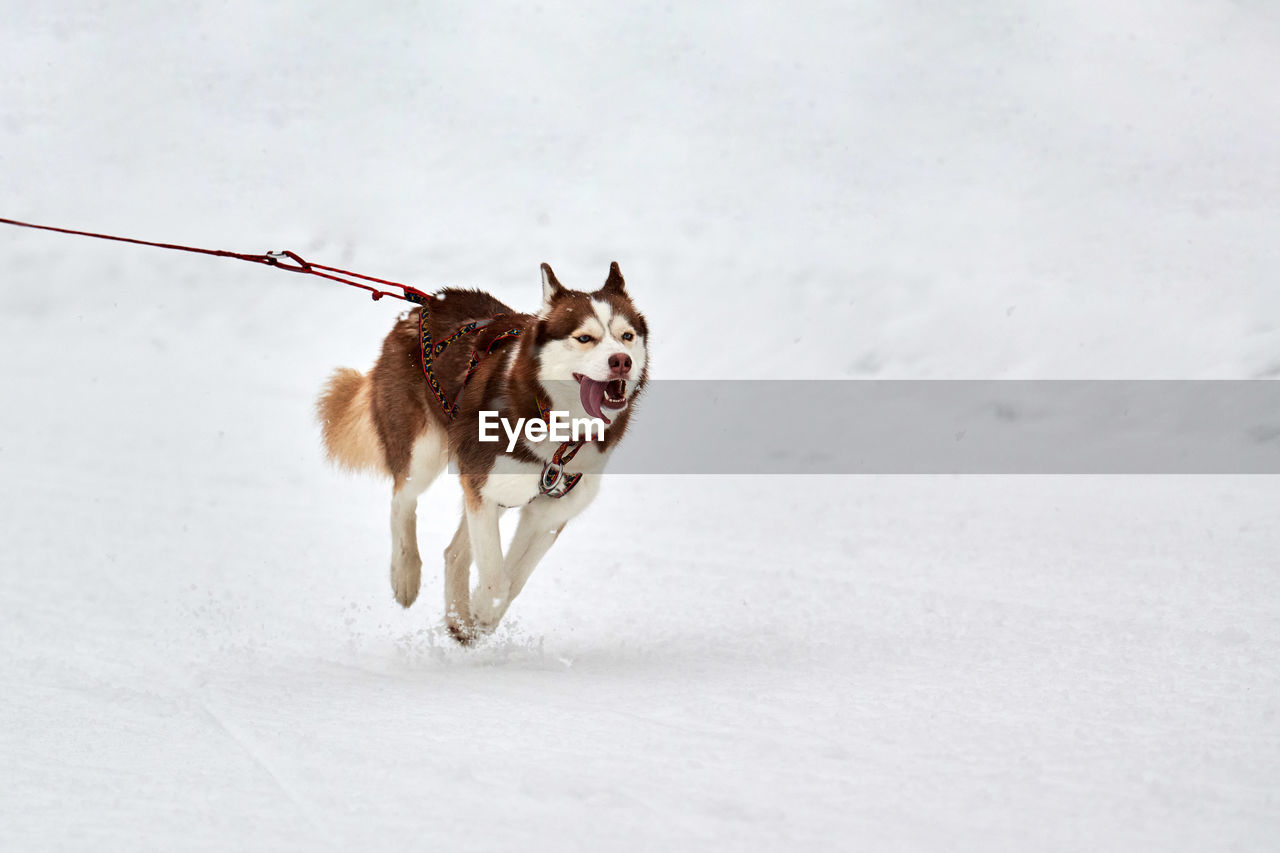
[[279, 260]]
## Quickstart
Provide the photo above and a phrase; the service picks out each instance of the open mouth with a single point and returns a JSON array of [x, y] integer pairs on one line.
[[598, 395]]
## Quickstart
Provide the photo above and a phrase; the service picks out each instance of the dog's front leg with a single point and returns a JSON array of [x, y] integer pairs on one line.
[[536, 533], [489, 601]]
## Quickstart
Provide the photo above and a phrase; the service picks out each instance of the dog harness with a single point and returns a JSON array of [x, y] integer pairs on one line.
[[555, 482]]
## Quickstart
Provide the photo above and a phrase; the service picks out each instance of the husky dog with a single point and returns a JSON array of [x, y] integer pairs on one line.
[[582, 355]]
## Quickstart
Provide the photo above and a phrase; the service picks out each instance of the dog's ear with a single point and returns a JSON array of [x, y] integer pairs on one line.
[[615, 283], [551, 286]]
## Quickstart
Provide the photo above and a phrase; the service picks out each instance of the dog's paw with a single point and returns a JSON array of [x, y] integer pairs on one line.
[[488, 606], [460, 627], [464, 634], [406, 577], [483, 627], [486, 615]]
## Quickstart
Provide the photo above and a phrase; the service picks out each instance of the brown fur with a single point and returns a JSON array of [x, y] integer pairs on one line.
[[375, 421], [396, 400]]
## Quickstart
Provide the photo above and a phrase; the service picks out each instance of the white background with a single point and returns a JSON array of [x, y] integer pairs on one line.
[[198, 645]]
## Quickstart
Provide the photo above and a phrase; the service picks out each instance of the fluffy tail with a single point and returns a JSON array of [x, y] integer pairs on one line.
[[346, 417]]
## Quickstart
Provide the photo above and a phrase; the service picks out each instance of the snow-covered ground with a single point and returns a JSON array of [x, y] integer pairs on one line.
[[199, 646]]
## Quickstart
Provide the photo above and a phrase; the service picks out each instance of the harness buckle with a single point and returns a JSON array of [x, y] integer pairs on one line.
[[556, 482], [278, 259], [552, 477]]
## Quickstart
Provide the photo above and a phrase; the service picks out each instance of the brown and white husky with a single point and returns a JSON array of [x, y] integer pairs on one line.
[[581, 355]]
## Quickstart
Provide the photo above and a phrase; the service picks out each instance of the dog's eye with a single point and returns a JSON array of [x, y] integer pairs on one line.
[[627, 336], [584, 339]]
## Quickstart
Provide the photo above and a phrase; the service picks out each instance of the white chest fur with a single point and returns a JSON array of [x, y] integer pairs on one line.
[[513, 483]]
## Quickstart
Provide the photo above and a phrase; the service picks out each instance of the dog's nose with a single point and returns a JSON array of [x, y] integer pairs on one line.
[[619, 364]]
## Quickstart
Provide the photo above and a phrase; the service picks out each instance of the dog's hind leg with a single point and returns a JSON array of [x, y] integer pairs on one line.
[[430, 454], [457, 584], [492, 586]]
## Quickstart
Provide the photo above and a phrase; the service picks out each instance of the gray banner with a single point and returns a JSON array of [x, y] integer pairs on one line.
[[960, 427]]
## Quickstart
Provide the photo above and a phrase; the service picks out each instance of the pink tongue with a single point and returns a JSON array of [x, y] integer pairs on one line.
[[592, 393]]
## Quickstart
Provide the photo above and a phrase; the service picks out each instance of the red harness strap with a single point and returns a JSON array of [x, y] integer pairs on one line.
[[431, 351]]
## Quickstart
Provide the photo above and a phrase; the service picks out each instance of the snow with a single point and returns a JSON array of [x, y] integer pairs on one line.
[[200, 646]]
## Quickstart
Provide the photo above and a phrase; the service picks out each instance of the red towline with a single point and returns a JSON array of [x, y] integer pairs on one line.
[[285, 260]]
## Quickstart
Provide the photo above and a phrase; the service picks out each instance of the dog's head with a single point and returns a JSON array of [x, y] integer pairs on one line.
[[598, 340]]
